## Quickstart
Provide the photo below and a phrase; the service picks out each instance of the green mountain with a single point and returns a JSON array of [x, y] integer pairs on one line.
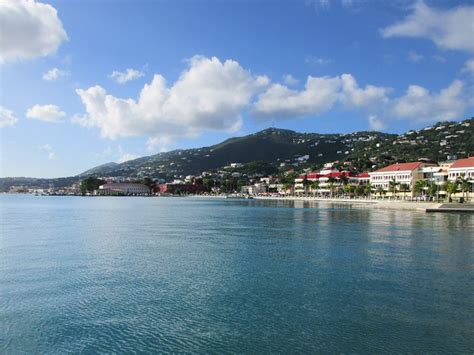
[[283, 149], [279, 147]]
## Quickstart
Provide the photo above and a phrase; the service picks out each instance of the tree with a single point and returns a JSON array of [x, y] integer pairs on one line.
[[359, 190], [149, 182], [331, 181], [404, 188], [349, 189], [432, 190], [368, 189], [90, 184], [451, 188], [419, 187], [380, 190], [463, 184], [344, 180], [306, 184], [392, 186], [315, 186]]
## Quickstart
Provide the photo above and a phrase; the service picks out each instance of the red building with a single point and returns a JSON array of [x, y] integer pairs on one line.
[[179, 188]]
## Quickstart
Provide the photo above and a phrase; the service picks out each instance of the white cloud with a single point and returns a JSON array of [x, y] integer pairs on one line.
[[127, 75], [47, 113], [54, 74], [469, 66], [312, 60], [48, 149], [375, 123], [29, 29], [448, 29], [354, 96], [319, 96], [420, 105], [288, 79], [209, 95], [7, 117], [414, 57], [278, 101]]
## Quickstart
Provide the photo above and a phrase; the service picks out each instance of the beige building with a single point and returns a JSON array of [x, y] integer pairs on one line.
[[401, 173]]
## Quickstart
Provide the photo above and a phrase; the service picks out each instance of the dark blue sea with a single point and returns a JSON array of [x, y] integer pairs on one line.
[[123, 275]]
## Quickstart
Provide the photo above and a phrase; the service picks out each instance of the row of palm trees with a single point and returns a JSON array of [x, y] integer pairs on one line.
[[422, 188]]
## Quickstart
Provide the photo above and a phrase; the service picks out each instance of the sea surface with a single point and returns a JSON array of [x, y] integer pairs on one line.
[[122, 275]]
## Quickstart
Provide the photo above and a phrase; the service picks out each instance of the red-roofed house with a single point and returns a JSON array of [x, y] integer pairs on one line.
[[462, 167], [402, 173]]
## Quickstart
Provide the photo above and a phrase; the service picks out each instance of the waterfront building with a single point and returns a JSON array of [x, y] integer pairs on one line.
[[401, 173], [462, 168], [258, 188], [123, 188]]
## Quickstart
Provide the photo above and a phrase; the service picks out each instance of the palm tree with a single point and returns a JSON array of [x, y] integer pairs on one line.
[[359, 190], [348, 189], [451, 188], [380, 190], [419, 187], [368, 189], [331, 181], [464, 184], [315, 186], [393, 186], [344, 180], [306, 184], [404, 188]]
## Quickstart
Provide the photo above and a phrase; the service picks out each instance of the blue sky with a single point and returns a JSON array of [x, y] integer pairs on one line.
[[87, 82]]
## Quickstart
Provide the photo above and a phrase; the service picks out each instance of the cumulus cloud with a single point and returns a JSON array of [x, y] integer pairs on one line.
[[29, 29], [209, 95], [449, 29], [319, 95], [421, 105], [288, 79], [127, 75], [375, 123], [54, 74], [46, 113], [352, 95], [48, 149], [278, 101], [469, 67], [7, 118]]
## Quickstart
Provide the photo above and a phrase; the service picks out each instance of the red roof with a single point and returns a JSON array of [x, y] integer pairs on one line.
[[400, 167], [463, 163], [363, 175]]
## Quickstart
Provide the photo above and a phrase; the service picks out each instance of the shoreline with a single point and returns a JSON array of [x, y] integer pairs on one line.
[[420, 206]]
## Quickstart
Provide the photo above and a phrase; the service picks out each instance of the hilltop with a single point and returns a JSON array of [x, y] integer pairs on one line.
[[285, 148]]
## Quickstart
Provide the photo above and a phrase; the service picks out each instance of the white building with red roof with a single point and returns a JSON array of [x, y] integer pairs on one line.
[[401, 173], [462, 168]]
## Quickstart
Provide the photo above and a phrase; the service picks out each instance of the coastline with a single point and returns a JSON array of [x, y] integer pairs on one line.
[[420, 206]]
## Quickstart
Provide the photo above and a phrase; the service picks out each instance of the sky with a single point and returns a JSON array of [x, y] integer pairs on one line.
[[86, 82]]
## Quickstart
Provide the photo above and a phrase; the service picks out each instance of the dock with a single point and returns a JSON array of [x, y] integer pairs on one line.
[[453, 208]]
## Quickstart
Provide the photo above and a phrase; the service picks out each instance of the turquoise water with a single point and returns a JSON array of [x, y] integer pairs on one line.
[[200, 275]]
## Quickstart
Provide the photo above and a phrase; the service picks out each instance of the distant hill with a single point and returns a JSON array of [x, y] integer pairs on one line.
[[286, 148], [274, 146], [365, 150]]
